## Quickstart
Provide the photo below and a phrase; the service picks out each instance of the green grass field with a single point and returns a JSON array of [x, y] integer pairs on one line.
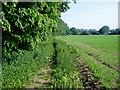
[[100, 53], [77, 61], [103, 47], [108, 43]]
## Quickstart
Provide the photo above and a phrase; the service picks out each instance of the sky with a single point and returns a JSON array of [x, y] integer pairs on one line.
[[92, 14]]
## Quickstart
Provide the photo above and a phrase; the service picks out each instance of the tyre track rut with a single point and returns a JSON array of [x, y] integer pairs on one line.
[[88, 78], [114, 68]]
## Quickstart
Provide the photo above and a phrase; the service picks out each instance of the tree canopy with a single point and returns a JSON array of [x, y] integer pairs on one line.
[[114, 31], [85, 32], [104, 30], [27, 24], [74, 31], [62, 28]]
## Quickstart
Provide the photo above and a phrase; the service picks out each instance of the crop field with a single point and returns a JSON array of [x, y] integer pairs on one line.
[[40, 50], [99, 53], [66, 62]]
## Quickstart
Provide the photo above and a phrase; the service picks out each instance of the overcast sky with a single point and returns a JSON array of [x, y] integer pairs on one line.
[[93, 14]]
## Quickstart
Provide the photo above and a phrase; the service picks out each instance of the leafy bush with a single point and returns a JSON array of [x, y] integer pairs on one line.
[[26, 24], [21, 69]]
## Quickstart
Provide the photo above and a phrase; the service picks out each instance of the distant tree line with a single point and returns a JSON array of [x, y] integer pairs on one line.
[[114, 31], [63, 29], [105, 30]]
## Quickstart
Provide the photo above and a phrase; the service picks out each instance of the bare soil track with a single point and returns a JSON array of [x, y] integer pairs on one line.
[[89, 80], [41, 80]]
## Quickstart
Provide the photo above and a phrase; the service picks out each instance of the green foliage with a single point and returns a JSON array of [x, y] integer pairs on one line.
[[114, 31], [64, 7], [85, 32], [88, 31], [24, 64], [26, 28], [62, 28], [74, 31], [37, 82], [25, 25], [117, 31], [66, 74], [104, 30], [68, 32], [93, 32]]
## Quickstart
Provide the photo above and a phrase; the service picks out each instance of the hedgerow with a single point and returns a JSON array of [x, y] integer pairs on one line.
[[27, 24], [23, 66], [26, 28]]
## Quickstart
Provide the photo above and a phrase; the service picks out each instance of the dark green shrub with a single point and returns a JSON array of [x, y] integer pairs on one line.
[[26, 27], [26, 24], [20, 71]]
